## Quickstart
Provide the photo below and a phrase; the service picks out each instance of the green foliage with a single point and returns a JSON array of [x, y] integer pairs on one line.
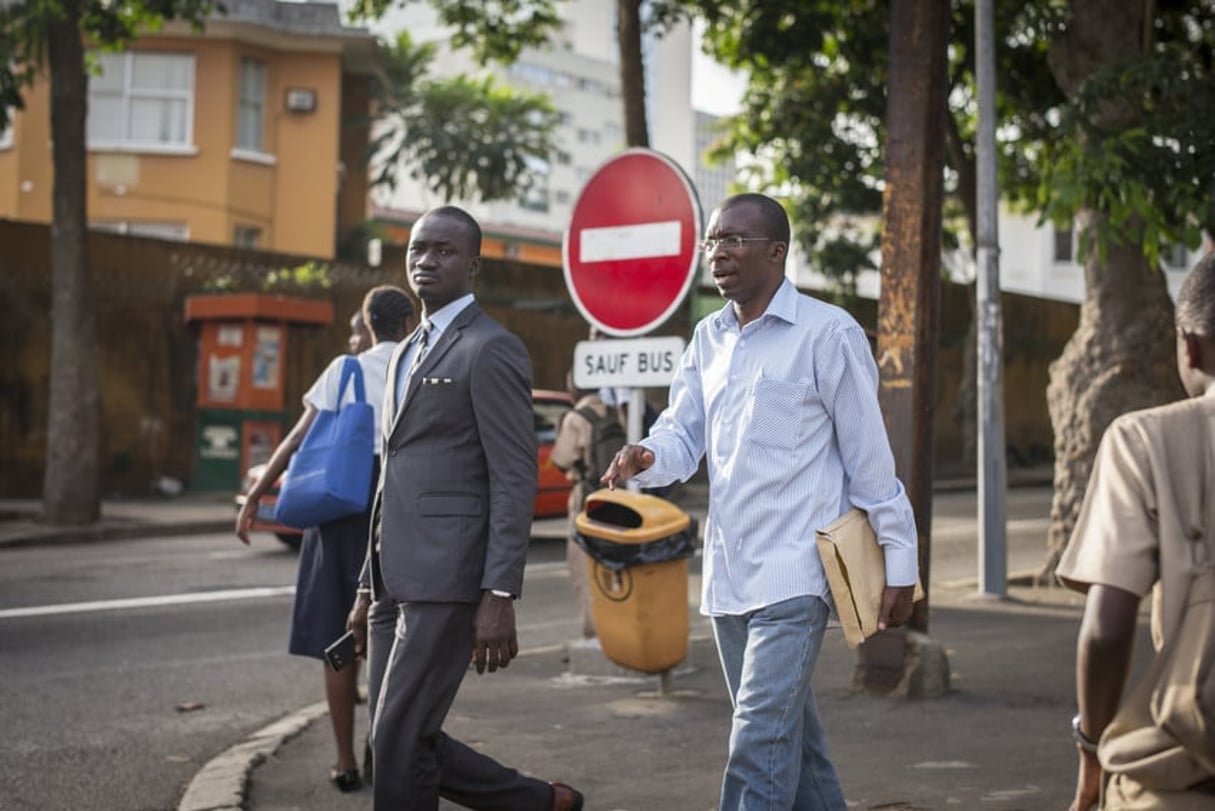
[[492, 30], [464, 137], [812, 115], [309, 277], [814, 118], [1137, 143], [109, 24]]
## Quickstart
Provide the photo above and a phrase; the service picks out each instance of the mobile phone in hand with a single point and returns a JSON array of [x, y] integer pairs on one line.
[[341, 652]]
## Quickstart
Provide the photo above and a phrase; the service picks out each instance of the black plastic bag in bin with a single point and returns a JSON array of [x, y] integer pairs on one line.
[[620, 529]]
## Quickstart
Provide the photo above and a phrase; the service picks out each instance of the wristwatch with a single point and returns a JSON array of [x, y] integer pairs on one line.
[[1085, 743]]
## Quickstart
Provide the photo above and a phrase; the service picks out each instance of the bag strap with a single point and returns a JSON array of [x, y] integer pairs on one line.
[[352, 368]]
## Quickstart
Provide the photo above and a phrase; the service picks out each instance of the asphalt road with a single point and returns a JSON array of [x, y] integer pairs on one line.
[[116, 705], [126, 665]]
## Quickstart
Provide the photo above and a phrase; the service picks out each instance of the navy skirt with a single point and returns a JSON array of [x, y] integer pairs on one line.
[[331, 557]]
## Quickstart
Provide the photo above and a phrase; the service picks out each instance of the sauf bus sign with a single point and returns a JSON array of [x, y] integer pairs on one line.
[[633, 362], [630, 255]]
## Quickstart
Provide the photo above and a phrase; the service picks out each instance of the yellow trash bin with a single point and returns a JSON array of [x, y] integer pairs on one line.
[[638, 546]]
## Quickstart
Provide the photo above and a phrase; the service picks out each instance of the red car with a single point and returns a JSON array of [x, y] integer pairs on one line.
[[553, 488], [552, 491]]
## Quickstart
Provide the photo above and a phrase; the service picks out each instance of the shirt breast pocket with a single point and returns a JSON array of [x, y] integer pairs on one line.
[[777, 413]]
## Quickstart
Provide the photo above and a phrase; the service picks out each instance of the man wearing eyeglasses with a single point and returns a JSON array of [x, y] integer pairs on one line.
[[779, 392]]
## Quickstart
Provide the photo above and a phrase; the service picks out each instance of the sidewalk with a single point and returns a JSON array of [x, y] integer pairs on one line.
[[21, 520], [998, 740]]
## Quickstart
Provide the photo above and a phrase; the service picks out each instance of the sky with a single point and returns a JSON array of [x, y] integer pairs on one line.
[[715, 89]]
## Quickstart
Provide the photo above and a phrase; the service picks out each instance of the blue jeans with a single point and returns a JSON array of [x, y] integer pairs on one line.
[[778, 750]]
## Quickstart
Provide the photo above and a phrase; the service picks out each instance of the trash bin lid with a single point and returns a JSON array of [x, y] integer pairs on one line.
[[625, 517]]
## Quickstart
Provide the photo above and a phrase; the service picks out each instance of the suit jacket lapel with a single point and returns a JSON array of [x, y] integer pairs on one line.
[[446, 341], [392, 406]]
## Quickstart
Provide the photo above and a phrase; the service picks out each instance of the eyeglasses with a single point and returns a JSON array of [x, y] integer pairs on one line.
[[730, 243]]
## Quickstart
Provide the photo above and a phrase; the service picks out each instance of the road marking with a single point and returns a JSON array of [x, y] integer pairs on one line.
[[148, 602], [536, 571], [638, 241]]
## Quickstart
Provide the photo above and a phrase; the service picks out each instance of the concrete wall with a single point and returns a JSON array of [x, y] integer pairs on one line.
[[147, 353]]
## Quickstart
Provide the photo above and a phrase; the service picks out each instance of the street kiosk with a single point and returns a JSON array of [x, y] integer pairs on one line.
[[241, 351]]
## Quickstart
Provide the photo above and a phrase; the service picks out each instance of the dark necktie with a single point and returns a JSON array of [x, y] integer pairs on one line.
[[423, 342]]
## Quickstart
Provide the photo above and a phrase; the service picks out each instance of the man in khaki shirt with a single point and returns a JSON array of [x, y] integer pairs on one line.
[[571, 453], [1145, 526]]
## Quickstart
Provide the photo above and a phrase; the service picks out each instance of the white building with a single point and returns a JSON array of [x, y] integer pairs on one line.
[[1035, 259], [580, 72], [1040, 260]]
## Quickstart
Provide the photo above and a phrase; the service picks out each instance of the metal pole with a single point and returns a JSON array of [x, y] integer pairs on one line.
[[993, 552], [636, 411]]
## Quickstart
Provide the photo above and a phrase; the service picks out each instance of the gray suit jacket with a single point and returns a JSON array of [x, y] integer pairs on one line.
[[453, 509]]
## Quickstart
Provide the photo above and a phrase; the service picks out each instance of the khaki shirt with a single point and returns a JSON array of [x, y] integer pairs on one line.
[[573, 443], [1145, 515]]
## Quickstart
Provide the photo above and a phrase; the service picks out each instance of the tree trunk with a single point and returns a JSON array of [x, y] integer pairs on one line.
[[632, 73], [71, 487], [1122, 356]]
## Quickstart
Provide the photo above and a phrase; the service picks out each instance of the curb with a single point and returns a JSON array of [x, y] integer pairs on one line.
[[220, 785], [113, 531]]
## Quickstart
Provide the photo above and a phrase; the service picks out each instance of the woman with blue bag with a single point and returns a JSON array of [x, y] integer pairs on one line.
[[331, 553]]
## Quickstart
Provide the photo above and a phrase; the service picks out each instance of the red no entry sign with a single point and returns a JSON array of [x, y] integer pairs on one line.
[[630, 251]]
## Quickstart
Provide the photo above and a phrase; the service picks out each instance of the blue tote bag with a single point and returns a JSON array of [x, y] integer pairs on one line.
[[329, 475]]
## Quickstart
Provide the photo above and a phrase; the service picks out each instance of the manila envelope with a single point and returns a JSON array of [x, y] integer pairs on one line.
[[856, 573]]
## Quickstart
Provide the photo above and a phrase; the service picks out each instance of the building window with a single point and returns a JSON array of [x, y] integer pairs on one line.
[[1065, 244], [6, 132], [142, 100], [250, 112], [177, 232], [535, 200], [246, 236], [1176, 256], [536, 196]]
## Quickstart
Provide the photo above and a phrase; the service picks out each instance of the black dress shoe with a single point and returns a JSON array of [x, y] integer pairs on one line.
[[345, 781], [566, 798]]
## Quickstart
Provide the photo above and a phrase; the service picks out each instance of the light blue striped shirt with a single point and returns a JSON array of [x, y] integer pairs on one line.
[[786, 412]]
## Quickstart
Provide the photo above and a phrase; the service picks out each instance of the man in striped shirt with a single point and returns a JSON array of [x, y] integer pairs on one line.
[[778, 392]]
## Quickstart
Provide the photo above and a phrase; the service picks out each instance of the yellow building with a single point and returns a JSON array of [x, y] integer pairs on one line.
[[251, 133]]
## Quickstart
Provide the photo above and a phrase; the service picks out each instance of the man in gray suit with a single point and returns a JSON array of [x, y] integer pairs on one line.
[[450, 532]]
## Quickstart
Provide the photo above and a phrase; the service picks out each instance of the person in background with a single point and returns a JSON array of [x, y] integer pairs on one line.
[[331, 555], [450, 532], [360, 339], [618, 397], [583, 434], [778, 391], [1137, 532]]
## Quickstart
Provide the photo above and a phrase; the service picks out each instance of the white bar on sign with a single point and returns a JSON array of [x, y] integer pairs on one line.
[[638, 241]]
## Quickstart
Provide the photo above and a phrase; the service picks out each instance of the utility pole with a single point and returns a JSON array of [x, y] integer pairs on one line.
[[993, 552], [910, 295], [911, 251]]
